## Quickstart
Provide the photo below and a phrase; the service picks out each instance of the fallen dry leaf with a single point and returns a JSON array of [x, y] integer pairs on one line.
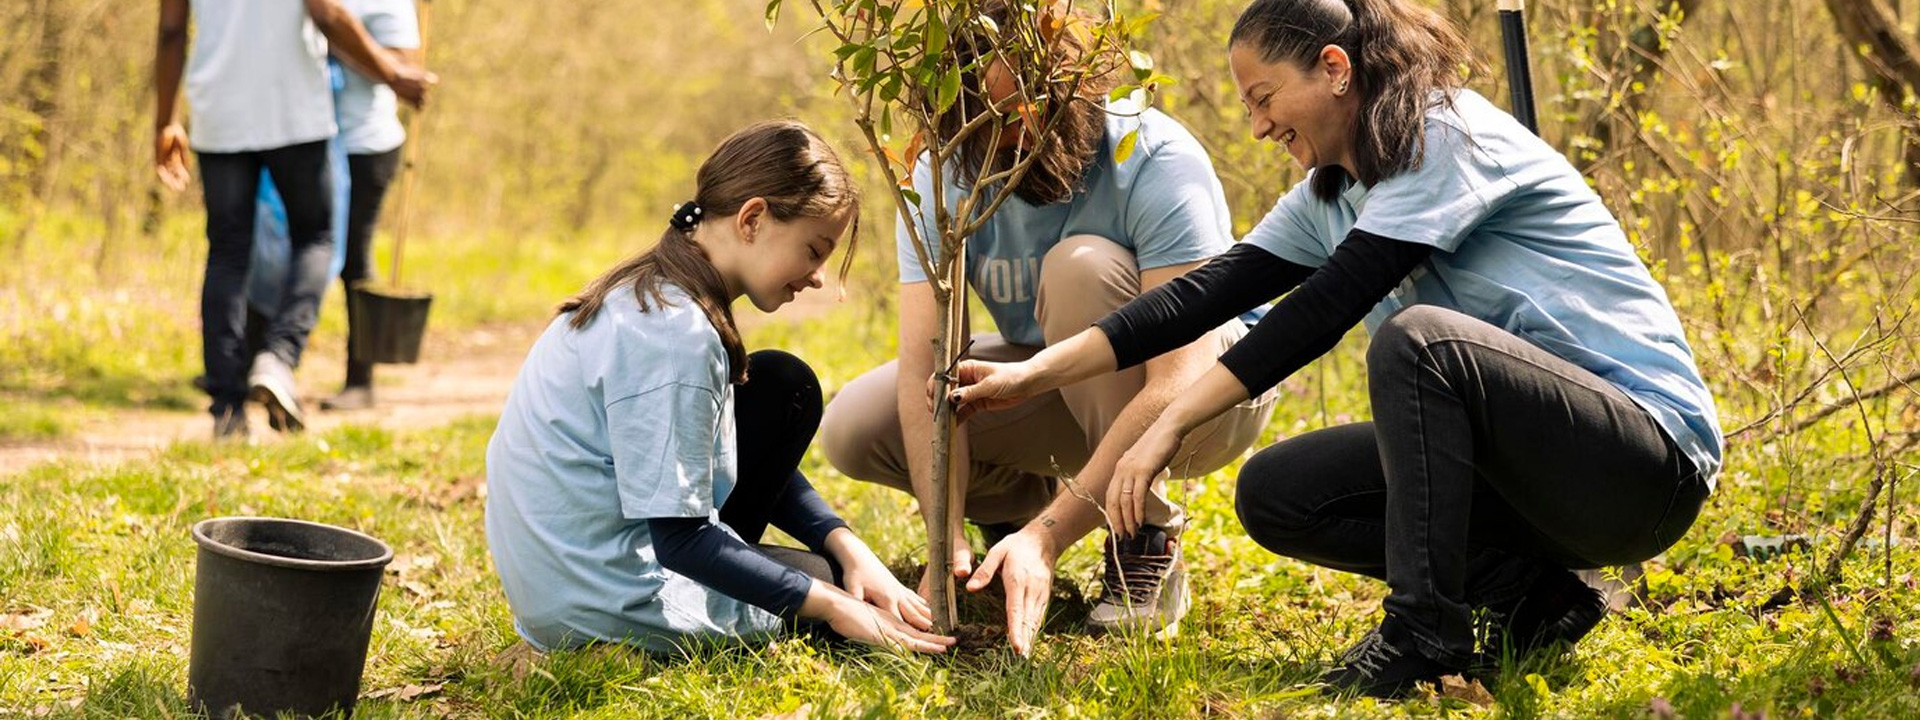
[[1471, 691], [24, 618], [406, 693], [800, 713]]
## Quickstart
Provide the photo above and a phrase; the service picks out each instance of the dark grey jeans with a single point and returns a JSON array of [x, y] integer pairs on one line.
[[1488, 460], [231, 182]]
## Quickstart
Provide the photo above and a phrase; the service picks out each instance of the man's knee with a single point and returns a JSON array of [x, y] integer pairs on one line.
[[1083, 278], [854, 430]]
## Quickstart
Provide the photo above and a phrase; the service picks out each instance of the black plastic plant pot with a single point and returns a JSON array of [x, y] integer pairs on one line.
[[395, 322], [282, 613]]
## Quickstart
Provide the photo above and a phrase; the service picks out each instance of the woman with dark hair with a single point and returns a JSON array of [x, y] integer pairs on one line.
[[1536, 406], [642, 451]]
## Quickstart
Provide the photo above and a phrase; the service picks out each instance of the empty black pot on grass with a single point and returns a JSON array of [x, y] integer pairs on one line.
[[282, 613]]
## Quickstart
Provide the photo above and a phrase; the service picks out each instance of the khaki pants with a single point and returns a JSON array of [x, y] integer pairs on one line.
[[1017, 453]]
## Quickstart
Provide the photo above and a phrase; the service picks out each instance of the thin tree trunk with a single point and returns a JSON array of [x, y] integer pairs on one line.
[[947, 351]]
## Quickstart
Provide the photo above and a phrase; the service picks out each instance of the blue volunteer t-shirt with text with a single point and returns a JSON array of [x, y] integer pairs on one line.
[[1164, 203]]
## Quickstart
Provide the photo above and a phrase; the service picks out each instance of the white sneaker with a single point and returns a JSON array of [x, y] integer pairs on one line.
[[1145, 586], [270, 383]]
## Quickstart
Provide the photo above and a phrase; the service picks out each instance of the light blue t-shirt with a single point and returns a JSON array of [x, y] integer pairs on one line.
[[627, 419], [1164, 203], [368, 111], [1522, 243]]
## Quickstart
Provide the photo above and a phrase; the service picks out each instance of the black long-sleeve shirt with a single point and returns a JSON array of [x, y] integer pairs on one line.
[[1324, 303], [701, 551]]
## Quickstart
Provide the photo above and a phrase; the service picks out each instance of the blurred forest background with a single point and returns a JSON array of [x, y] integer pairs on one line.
[[1762, 155]]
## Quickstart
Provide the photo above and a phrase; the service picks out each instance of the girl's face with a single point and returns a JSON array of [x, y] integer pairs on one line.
[[784, 258], [1309, 110]]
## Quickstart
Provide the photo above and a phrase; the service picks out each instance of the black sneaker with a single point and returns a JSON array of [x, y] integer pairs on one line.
[[230, 426], [1385, 664], [351, 397], [1145, 584], [1556, 611]]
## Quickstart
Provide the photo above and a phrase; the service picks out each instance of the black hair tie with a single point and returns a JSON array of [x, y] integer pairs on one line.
[[686, 215]]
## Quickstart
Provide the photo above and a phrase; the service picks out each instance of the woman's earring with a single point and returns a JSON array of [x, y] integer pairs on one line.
[[1342, 90]]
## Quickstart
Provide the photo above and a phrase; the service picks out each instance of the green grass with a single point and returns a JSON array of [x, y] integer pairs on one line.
[[110, 545]]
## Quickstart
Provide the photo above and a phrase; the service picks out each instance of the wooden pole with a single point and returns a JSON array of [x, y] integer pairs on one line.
[[409, 161], [1513, 39]]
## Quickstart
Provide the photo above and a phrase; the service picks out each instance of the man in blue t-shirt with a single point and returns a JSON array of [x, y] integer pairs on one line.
[[257, 83], [1084, 234]]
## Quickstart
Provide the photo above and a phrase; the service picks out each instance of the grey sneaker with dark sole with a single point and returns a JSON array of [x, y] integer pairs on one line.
[[1145, 585], [270, 383]]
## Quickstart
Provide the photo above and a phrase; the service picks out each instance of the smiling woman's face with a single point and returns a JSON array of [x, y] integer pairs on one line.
[[1309, 110]]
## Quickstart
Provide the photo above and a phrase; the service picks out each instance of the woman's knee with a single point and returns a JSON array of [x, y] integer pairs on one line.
[[1405, 339], [1266, 498], [1288, 491]]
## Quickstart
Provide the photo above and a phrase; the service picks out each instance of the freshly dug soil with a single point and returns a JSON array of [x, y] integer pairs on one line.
[[979, 637]]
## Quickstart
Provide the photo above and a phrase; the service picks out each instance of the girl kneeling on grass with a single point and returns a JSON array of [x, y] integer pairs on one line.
[[642, 451]]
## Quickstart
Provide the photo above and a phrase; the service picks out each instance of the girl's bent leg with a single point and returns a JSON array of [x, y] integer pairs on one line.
[[775, 414]]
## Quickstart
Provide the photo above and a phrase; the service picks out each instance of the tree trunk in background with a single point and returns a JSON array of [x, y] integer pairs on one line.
[[1892, 58], [1644, 51], [42, 90]]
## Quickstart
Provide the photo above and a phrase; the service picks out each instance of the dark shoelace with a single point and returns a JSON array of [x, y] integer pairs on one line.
[[1134, 577]]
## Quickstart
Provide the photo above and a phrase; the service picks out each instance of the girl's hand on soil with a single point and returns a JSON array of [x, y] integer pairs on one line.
[[873, 583], [860, 622], [1133, 477]]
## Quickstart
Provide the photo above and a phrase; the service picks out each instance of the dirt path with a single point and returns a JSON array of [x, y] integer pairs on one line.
[[462, 374]]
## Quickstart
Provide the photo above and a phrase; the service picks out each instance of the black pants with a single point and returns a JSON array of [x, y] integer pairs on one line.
[[1488, 460], [775, 415], [371, 175], [231, 182]]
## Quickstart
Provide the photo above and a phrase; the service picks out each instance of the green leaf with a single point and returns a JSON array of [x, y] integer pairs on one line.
[[863, 61], [948, 91], [886, 118], [890, 89], [912, 196], [1120, 93], [1125, 150], [1140, 60], [1138, 23], [936, 34], [773, 13]]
